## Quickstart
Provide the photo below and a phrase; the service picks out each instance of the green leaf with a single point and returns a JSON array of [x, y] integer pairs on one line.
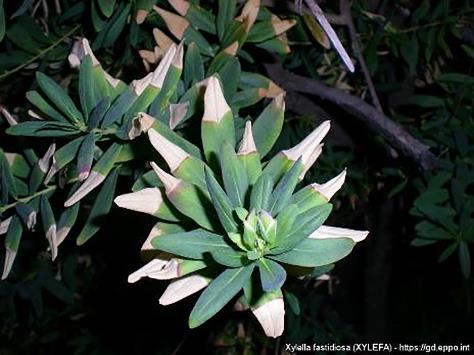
[[261, 193], [221, 202], [57, 95], [190, 244], [284, 189], [87, 94], [42, 129], [219, 292], [106, 6], [234, 176], [464, 259], [114, 27], [15, 230], [267, 128], [85, 156], [100, 209], [305, 224], [316, 252], [225, 16], [426, 101], [6, 182], [193, 66], [293, 302], [285, 222], [36, 99], [456, 78], [272, 275]]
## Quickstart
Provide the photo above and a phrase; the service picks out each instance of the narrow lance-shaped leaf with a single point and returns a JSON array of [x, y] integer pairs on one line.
[[36, 99], [265, 30], [272, 274], [182, 164], [217, 124], [261, 193], [191, 245], [49, 225], [285, 187], [87, 94], [12, 242], [193, 66], [57, 95], [306, 223], [85, 156], [66, 222], [316, 252], [40, 169], [187, 198], [219, 292], [268, 125], [7, 183], [100, 208], [98, 174], [225, 16], [63, 156], [221, 202], [249, 156], [28, 212], [234, 176]]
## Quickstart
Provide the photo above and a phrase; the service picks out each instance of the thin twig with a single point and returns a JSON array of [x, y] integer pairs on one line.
[[40, 54], [395, 134], [345, 9]]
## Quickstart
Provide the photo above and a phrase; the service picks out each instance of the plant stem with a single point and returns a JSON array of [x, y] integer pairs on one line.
[[28, 198], [40, 54]]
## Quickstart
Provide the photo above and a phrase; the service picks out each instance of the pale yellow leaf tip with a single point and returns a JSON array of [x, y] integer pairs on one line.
[[329, 188], [181, 6], [141, 16], [175, 23], [10, 256], [215, 105], [327, 232], [147, 200], [95, 179], [169, 181], [247, 145], [171, 153], [309, 144], [182, 288], [271, 316]]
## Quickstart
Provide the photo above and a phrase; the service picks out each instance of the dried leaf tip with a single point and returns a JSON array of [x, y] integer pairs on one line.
[[310, 159], [175, 23], [8, 263], [281, 26], [215, 105], [141, 16], [247, 145], [171, 153], [53, 243], [4, 225], [169, 181], [8, 116], [80, 49], [45, 162], [327, 232], [307, 146], [279, 101], [271, 316], [329, 188], [249, 13], [182, 288], [140, 85], [147, 200], [95, 178], [232, 49], [160, 269], [181, 6], [162, 40], [158, 76]]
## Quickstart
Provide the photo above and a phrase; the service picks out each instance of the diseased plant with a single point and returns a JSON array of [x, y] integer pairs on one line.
[[225, 213]]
